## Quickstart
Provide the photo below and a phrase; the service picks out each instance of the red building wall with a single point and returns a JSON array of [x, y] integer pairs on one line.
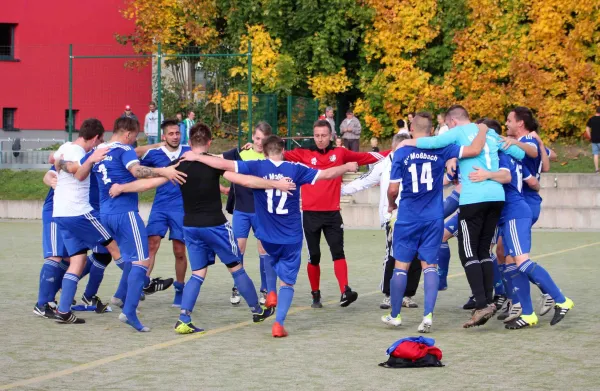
[[37, 85]]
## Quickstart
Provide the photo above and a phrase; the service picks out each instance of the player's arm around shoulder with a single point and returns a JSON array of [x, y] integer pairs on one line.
[[137, 186], [477, 144], [212, 161], [362, 158], [335, 172], [50, 179], [170, 173], [370, 179], [254, 182], [531, 180]]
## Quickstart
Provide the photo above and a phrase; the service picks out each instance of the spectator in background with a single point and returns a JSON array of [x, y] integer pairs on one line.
[[410, 118], [329, 118], [350, 129], [374, 144], [129, 114], [182, 128], [189, 122], [402, 129], [151, 124], [339, 143], [592, 130], [441, 127]]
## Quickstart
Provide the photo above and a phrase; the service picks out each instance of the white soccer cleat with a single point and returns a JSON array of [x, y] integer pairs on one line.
[[546, 304], [408, 302], [235, 298], [425, 326], [387, 319], [386, 304], [515, 311], [262, 297], [116, 302]]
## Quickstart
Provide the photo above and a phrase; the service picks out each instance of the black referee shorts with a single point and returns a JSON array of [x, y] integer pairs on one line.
[[477, 224], [332, 225]]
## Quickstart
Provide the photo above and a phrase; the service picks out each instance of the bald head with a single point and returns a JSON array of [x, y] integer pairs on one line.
[[421, 123]]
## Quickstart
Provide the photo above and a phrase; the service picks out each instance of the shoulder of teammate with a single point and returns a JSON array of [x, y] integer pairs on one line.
[[304, 174], [232, 154], [127, 155], [528, 139], [296, 155], [452, 151], [149, 158], [504, 161], [399, 155], [249, 167]]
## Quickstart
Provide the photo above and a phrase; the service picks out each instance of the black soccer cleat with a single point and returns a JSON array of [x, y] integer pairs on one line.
[[158, 284], [348, 297], [44, 311], [560, 311], [95, 301], [266, 312], [522, 322], [316, 296], [69, 317], [470, 304], [499, 301]]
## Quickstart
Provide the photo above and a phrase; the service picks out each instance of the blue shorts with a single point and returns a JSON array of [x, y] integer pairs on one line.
[[130, 234], [159, 221], [452, 225], [52, 241], [204, 242], [286, 260], [242, 222], [516, 236], [536, 208], [595, 148], [81, 233], [422, 238]]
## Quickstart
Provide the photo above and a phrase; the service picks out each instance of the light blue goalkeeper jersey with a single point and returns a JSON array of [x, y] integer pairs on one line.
[[473, 193]]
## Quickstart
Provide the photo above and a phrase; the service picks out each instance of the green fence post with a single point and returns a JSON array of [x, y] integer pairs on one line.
[[71, 92], [249, 91], [159, 87], [289, 121], [239, 121]]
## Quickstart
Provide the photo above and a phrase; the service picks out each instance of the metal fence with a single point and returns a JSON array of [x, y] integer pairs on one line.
[[23, 153]]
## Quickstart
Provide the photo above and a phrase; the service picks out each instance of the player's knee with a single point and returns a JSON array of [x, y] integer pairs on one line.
[[315, 259], [153, 243], [233, 265], [337, 254], [103, 259]]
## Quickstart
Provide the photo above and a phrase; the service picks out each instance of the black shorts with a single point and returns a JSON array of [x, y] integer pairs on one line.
[[332, 225], [477, 224]]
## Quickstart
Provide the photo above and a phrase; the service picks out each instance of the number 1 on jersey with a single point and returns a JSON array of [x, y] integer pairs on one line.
[[426, 176], [279, 210]]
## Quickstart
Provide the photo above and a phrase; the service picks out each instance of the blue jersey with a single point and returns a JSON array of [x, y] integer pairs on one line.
[[463, 135], [421, 175], [515, 206], [48, 206], [278, 213], [94, 192], [168, 196], [534, 166], [114, 168]]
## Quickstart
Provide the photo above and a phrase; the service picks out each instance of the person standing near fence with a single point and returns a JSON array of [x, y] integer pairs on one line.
[[329, 118], [189, 122], [151, 124], [350, 129], [592, 130]]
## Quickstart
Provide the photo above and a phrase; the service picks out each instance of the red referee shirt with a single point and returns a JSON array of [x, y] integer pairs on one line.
[[324, 196]]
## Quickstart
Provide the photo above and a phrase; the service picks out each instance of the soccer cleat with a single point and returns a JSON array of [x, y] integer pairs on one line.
[[348, 297], [278, 331], [560, 311], [235, 298], [480, 317], [271, 300], [142, 296], [385, 304], [408, 302], [499, 301], [69, 317], [96, 302], [522, 322], [187, 328], [515, 311], [138, 326], [44, 311], [546, 304], [470, 304], [425, 326], [158, 284], [387, 319], [116, 302], [262, 297], [265, 313], [505, 310], [316, 296]]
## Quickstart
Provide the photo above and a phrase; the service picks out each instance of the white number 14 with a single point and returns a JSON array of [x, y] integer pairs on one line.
[[426, 177]]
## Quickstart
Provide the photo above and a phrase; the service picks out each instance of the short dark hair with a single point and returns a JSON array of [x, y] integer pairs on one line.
[[273, 145], [412, 113], [598, 110], [200, 134], [525, 114], [126, 124], [321, 123], [169, 122], [400, 123], [458, 112], [264, 127], [91, 128], [152, 103], [491, 123], [422, 122], [349, 111]]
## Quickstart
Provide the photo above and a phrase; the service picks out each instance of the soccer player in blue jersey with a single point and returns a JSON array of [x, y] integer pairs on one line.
[[480, 207], [279, 225], [515, 228], [420, 224], [207, 231], [120, 215], [167, 212]]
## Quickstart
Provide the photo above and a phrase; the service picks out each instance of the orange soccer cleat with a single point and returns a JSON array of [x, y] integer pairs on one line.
[[271, 300], [278, 331]]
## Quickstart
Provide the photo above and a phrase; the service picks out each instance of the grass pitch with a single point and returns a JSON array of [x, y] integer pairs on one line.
[[331, 348]]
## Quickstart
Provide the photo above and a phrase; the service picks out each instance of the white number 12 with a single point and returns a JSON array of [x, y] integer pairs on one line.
[[426, 177], [279, 210]]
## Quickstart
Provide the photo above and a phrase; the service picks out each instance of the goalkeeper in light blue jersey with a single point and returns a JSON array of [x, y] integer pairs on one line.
[[480, 206]]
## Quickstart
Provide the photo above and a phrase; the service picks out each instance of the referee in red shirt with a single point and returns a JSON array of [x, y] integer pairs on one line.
[[321, 208]]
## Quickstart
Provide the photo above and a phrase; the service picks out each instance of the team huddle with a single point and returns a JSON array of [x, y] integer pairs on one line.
[[92, 207]]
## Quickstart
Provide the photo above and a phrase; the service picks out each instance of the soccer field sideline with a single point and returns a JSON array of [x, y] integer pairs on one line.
[[180, 340]]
